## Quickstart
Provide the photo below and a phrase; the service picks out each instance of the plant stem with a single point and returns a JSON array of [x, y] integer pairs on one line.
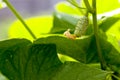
[[88, 6], [116, 77], [94, 15], [19, 17]]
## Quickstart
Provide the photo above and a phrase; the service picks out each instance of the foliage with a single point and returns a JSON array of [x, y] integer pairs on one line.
[[26, 61], [21, 59], [36, 24]]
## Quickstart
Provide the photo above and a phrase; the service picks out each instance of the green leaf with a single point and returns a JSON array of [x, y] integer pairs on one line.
[[105, 5], [73, 48], [115, 30], [9, 43], [67, 8], [11, 58], [43, 62], [62, 22], [39, 26], [29, 62], [79, 71], [114, 41], [110, 53], [107, 22], [26, 61]]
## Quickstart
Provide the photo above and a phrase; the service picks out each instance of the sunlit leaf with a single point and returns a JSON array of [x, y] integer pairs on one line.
[[67, 8], [109, 22], [64, 58], [114, 41], [39, 26], [114, 30], [106, 5]]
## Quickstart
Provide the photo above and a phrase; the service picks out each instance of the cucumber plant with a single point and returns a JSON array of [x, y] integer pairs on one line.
[[92, 43]]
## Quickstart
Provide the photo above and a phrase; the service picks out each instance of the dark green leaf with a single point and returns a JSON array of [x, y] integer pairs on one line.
[[24, 61], [12, 58], [79, 71], [110, 53], [42, 63], [73, 48], [9, 43]]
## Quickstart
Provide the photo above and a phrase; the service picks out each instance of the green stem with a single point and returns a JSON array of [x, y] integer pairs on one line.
[[116, 77], [19, 17], [94, 15], [88, 6]]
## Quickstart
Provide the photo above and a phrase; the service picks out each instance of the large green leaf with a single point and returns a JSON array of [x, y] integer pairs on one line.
[[84, 50], [39, 26], [110, 25], [105, 5], [107, 22], [69, 70], [102, 7], [26, 61], [73, 48], [67, 8], [109, 52], [114, 30], [12, 56], [29, 62], [114, 41], [9, 43], [43, 62], [62, 22]]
